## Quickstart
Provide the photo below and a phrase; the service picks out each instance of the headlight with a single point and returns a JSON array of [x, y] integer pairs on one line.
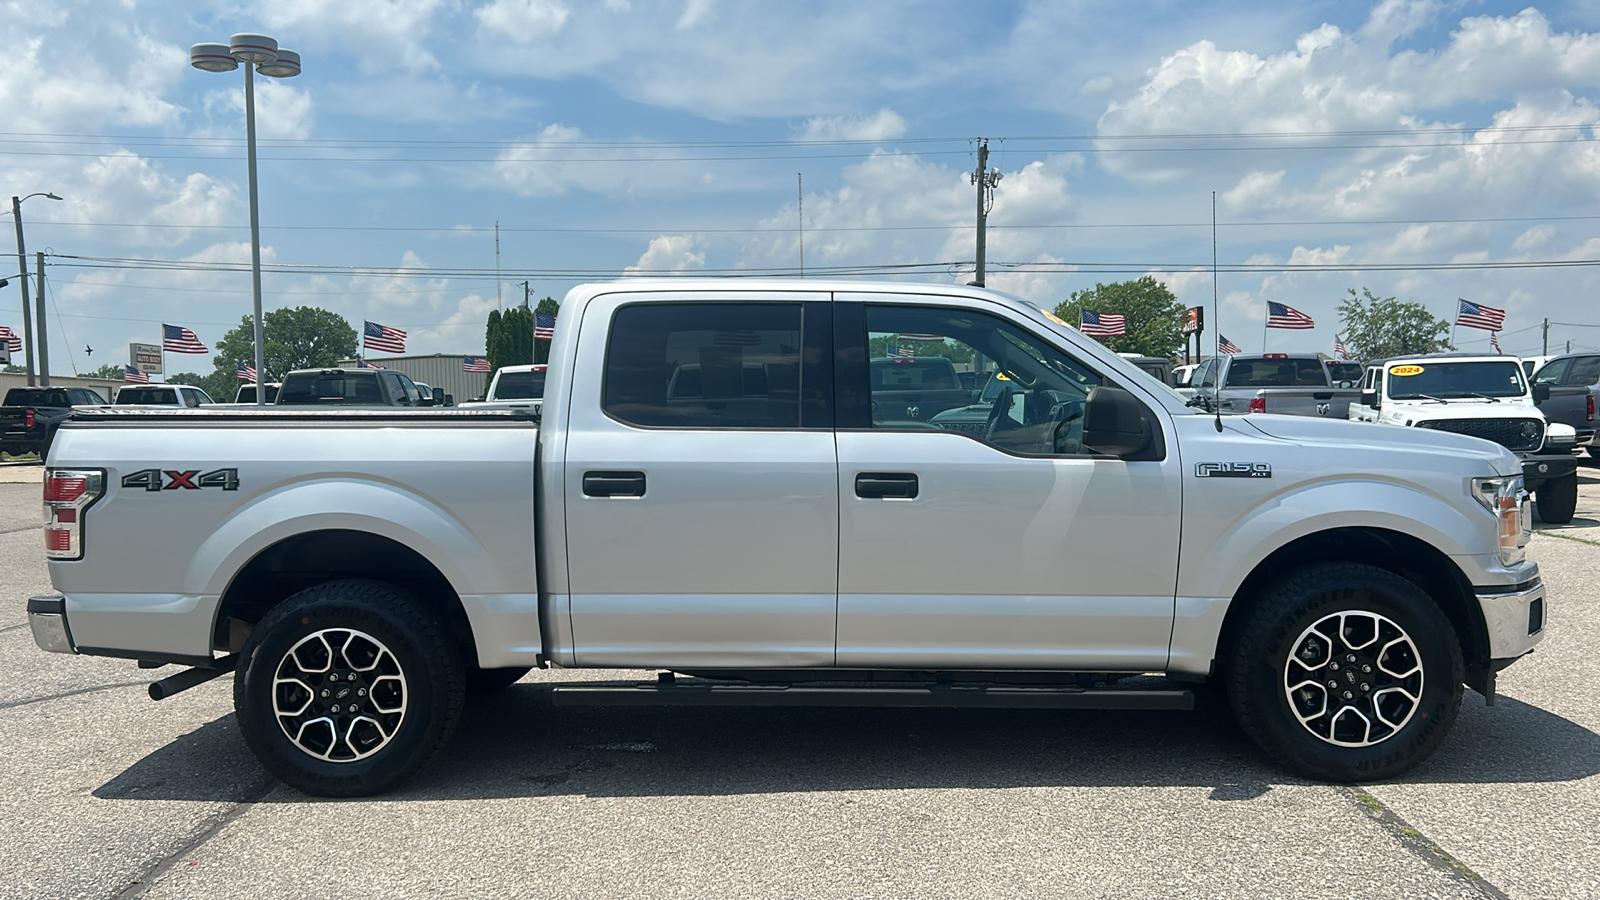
[[1508, 502], [1530, 432]]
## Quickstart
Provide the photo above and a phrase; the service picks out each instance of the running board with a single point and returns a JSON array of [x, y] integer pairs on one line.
[[933, 696]]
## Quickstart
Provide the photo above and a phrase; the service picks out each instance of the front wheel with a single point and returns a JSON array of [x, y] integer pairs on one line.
[[347, 688], [1557, 499], [1345, 672]]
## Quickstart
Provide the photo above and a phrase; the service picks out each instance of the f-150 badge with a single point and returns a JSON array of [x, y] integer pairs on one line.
[[1232, 470]]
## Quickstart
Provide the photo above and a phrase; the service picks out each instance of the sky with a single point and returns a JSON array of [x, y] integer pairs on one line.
[[438, 159]]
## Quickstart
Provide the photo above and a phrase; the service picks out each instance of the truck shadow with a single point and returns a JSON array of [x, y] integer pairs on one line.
[[516, 744]]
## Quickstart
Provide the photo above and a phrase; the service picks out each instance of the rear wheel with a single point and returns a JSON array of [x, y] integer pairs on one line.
[[1557, 499], [347, 688], [1345, 672]]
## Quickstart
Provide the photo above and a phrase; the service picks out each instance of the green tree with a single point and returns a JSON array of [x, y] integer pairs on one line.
[[1154, 315], [1380, 327], [304, 337], [541, 349], [112, 371], [508, 336]]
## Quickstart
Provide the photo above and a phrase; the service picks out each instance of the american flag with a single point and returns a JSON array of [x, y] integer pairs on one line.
[[384, 338], [1475, 315], [13, 343], [134, 376], [1226, 346], [902, 351], [731, 339], [363, 364], [544, 326], [177, 339], [926, 338], [1102, 324], [1281, 316], [1494, 341], [1338, 347], [474, 364], [246, 372]]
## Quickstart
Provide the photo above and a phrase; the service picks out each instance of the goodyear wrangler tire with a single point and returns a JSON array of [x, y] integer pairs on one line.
[[1557, 499], [1345, 672], [347, 688]]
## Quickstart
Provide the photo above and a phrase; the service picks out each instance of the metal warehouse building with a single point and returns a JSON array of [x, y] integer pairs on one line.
[[442, 371]]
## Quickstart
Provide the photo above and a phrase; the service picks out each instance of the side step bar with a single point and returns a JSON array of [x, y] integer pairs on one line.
[[931, 696]]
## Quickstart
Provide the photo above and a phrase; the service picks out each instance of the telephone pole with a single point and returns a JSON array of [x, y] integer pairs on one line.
[[985, 179], [1546, 337], [526, 293]]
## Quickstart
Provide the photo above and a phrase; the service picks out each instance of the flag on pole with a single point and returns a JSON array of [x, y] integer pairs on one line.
[[1280, 315], [1096, 324], [1494, 341], [363, 364], [1338, 347], [246, 372], [544, 326], [383, 338], [13, 343], [902, 351], [474, 364], [1476, 315], [134, 376], [1226, 346], [177, 339]]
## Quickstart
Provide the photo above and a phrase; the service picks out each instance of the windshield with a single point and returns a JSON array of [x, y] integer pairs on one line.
[[1276, 372], [519, 386], [1456, 380]]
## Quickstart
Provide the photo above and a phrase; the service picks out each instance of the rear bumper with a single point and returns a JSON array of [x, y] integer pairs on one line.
[[1514, 618], [47, 617]]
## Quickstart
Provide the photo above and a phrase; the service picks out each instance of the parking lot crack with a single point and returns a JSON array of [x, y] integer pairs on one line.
[[207, 830], [1421, 845], [1567, 537]]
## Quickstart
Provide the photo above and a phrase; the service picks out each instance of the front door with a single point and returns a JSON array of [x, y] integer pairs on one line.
[[985, 534], [701, 484]]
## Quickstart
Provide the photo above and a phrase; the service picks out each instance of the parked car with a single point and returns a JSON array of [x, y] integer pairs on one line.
[[1485, 397], [247, 393], [520, 386], [766, 539], [31, 415], [1296, 384], [1532, 364], [349, 387], [177, 396], [1574, 384], [432, 396]]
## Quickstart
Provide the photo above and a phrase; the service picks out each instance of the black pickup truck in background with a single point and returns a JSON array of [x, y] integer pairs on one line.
[[30, 416]]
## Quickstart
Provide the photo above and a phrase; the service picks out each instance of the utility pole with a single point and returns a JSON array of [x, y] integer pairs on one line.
[[985, 179], [498, 303], [1546, 337], [27, 311], [44, 344], [525, 294], [800, 209]]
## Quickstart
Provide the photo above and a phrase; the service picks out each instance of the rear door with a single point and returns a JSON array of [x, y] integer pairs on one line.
[[700, 483], [1008, 544]]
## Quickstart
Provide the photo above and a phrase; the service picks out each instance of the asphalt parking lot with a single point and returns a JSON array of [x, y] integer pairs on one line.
[[106, 793]]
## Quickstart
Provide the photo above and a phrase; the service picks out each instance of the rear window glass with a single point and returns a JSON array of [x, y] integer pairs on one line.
[[147, 396], [1277, 373], [1344, 371], [520, 386], [34, 397], [330, 389]]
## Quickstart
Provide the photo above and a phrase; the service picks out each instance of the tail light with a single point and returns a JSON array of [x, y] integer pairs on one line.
[[1258, 404], [28, 418], [1588, 411], [67, 493]]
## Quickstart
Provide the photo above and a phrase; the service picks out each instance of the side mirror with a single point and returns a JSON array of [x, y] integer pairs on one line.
[[1115, 423], [1369, 398], [1541, 392], [449, 400]]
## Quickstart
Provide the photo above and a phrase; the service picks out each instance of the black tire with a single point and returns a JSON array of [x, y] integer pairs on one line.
[[415, 669], [1259, 673], [1557, 499], [491, 681]]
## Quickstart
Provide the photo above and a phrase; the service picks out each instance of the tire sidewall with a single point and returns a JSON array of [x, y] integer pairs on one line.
[[430, 675], [1268, 715]]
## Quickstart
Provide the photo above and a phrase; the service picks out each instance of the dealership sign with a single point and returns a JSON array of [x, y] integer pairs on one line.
[[145, 357]]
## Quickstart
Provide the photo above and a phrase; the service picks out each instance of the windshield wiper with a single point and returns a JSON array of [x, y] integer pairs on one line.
[[1483, 396], [1419, 397]]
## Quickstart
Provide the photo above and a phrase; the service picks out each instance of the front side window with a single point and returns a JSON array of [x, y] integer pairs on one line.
[[409, 388], [704, 365], [1551, 373], [1032, 403]]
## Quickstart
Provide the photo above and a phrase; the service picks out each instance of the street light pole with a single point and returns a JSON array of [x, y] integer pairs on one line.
[[261, 54], [22, 266]]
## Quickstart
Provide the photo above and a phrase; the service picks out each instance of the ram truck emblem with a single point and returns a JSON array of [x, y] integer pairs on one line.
[[1232, 470], [1322, 409]]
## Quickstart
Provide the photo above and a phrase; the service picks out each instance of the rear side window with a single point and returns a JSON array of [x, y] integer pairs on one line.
[[704, 365], [1585, 371]]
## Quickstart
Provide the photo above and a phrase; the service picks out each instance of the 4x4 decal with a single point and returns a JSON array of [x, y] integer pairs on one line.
[[177, 479]]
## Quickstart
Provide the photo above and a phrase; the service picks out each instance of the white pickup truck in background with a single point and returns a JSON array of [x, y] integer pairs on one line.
[[770, 540], [513, 387]]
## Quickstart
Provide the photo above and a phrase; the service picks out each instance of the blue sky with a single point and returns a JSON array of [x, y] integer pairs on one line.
[[1424, 150]]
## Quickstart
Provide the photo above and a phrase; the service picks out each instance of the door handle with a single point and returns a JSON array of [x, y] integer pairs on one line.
[[613, 484], [886, 485], [1322, 395]]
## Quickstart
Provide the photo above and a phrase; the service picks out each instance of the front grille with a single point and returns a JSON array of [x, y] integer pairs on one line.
[[1512, 434]]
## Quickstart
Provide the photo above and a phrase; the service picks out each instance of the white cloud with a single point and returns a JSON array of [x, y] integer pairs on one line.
[[560, 159], [282, 111], [1534, 237], [382, 34], [522, 21], [883, 125], [670, 253]]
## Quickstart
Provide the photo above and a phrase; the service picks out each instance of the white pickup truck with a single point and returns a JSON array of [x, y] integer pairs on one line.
[[769, 540], [513, 387]]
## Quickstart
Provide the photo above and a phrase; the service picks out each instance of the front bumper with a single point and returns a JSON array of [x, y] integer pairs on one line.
[[1536, 470], [47, 616], [1514, 617]]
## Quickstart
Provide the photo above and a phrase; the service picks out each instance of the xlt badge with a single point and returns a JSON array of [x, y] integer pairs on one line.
[[1232, 470]]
